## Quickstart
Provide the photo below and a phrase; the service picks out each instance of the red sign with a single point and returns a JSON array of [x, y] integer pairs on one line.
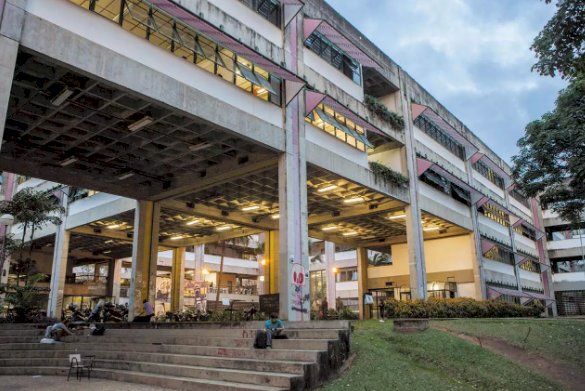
[[298, 274]]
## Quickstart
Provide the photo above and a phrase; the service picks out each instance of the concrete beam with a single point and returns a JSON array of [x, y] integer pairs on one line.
[[97, 207], [362, 210], [220, 236]]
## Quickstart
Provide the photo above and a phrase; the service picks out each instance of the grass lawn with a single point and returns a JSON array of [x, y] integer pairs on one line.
[[559, 339], [431, 360]]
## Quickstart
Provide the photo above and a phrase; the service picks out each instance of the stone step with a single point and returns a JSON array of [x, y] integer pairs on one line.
[[243, 353], [38, 357], [173, 382], [255, 325], [298, 344]]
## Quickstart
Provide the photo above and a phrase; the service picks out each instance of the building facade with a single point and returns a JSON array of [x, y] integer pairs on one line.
[[200, 121]]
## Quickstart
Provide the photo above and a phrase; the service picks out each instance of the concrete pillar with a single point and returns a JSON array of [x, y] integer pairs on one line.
[[144, 256], [114, 277], [362, 264], [331, 275], [199, 262], [178, 280], [414, 233], [60, 259], [272, 263]]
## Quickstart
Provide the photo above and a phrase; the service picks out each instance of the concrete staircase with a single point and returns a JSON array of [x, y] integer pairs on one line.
[[187, 356]]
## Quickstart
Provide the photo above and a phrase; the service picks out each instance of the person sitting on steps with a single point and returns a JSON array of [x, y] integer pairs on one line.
[[273, 327], [146, 314], [57, 331]]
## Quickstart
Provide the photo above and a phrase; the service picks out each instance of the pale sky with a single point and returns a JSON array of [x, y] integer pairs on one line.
[[473, 56]]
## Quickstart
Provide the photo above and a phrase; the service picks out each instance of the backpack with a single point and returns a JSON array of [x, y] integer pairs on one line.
[[99, 330], [260, 340]]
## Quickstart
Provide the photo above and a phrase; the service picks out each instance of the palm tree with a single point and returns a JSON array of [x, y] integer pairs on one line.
[[33, 209], [240, 241], [380, 259]]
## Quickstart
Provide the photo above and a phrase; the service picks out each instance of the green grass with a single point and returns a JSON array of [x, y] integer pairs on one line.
[[431, 360], [560, 339]]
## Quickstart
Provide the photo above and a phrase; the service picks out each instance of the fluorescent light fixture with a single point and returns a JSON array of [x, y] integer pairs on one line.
[[224, 228], [114, 226], [351, 233], [327, 188], [109, 241], [261, 91], [275, 216], [62, 97], [106, 251], [397, 217], [431, 229], [193, 222], [126, 176], [354, 200], [141, 123], [329, 228], [199, 147], [249, 208], [177, 237], [68, 161]]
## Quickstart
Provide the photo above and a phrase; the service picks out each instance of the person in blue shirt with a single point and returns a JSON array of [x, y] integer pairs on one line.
[[273, 327]]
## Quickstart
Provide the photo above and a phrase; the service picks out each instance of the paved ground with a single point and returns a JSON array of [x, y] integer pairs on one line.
[[60, 383]]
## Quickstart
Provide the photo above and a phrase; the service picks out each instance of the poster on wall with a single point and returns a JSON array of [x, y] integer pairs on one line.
[[270, 303]]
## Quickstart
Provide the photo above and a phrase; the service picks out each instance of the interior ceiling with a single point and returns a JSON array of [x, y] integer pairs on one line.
[[90, 129]]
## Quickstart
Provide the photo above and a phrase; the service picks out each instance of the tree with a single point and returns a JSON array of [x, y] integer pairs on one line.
[[33, 210], [560, 46], [240, 241], [379, 259]]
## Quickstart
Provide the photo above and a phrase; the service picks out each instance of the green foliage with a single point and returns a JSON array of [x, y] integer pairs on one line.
[[347, 314], [551, 161], [381, 111], [460, 308], [25, 300], [380, 259], [387, 175], [560, 46]]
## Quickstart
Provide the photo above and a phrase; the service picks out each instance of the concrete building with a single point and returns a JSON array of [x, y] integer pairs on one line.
[[197, 121]]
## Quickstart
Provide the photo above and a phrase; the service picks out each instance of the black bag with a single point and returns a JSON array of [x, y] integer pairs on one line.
[[260, 341], [99, 330]]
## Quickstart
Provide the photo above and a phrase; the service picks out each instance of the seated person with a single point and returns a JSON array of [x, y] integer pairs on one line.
[[273, 327], [146, 314], [57, 331]]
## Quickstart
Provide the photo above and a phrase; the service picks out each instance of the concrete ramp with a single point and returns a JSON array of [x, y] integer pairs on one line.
[[194, 356]]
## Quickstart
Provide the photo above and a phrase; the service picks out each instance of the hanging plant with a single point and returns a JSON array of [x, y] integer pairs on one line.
[[381, 111], [387, 175]]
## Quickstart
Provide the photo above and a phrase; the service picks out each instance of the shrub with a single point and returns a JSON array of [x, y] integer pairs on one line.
[[460, 308], [387, 175], [379, 110], [347, 314]]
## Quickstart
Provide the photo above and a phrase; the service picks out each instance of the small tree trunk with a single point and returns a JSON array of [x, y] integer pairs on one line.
[[220, 275], [21, 251]]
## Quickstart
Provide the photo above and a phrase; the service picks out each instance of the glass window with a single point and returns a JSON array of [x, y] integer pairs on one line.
[[269, 9], [335, 56], [495, 214], [325, 118], [490, 174], [346, 274], [440, 136], [500, 253]]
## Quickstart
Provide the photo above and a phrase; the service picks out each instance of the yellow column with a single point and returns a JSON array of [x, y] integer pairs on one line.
[[362, 264], [178, 280], [271, 267]]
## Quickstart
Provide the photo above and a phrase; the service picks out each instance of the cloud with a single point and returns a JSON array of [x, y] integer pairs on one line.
[[472, 55]]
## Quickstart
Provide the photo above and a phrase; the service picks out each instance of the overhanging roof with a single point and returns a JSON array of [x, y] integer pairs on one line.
[[323, 27], [213, 32], [418, 110]]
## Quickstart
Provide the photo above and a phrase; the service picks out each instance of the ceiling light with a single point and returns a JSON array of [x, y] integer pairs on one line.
[[261, 278], [275, 216], [354, 200], [329, 228], [205, 272], [430, 228], [68, 161], [263, 262], [327, 188], [141, 123], [109, 241], [192, 222], [199, 147], [261, 91], [351, 233], [126, 176], [177, 237], [114, 226], [62, 97], [223, 228], [396, 217], [106, 251], [249, 208]]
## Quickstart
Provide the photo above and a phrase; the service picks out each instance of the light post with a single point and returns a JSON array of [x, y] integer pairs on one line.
[[6, 220]]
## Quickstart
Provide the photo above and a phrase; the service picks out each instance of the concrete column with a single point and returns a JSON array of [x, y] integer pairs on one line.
[[331, 280], [178, 280], [414, 233], [114, 276], [199, 261], [272, 262], [144, 256], [362, 264], [60, 259]]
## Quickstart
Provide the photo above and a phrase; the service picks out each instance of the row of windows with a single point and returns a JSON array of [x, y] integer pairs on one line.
[[571, 265], [530, 266], [521, 198], [525, 231], [146, 21], [347, 274], [438, 182], [440, 136], [269, 9], [490, 174], [500, 253], [495, 214], [337, 125], [335, 56], [564, 233]]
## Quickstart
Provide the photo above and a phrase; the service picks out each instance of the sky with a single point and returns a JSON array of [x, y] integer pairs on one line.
[[473, 56]]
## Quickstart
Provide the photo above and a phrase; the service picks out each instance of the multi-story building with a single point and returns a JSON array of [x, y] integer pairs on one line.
[[200, 121]]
